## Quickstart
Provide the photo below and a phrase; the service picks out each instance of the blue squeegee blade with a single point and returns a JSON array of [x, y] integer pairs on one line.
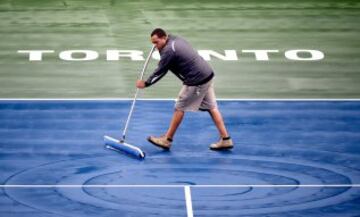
[[118, 145]]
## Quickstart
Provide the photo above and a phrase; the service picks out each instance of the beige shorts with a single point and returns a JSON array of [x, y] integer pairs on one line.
[[195, 98]]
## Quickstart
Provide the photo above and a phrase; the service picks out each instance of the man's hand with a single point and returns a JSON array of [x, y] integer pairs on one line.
[[140, 84]]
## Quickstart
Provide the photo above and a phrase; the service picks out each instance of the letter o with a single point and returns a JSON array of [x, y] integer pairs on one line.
[[315, 55], [68, 55]]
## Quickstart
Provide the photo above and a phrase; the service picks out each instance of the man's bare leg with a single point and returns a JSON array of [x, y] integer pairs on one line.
[[175, 122], [225, 142], [165, 141], [219, 122]]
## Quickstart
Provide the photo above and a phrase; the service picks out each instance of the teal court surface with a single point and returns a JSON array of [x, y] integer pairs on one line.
[[295, 122]]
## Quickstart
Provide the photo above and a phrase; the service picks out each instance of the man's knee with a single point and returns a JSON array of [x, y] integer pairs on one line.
[[212, 110]]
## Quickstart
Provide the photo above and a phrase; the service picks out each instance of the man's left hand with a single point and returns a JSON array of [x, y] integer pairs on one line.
[[140, 84]]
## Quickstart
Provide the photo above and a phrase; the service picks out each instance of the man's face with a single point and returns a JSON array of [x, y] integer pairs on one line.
[[158, 42]]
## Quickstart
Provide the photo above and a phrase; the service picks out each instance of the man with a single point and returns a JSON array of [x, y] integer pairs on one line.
[[197, 92]]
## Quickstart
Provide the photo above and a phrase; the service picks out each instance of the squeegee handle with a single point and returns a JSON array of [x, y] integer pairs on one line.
[[146, 63], [136, 92]]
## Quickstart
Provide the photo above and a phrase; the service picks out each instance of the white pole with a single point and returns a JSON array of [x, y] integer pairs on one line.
[[136, 93]]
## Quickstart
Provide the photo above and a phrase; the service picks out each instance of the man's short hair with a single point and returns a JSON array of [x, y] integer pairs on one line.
[[159, 32]]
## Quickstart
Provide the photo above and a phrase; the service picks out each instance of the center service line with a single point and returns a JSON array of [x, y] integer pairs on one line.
[[182, 186], [188, 201]]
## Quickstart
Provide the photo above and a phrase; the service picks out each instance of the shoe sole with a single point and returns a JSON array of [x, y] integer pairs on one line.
[[157, 145], [221, 148]]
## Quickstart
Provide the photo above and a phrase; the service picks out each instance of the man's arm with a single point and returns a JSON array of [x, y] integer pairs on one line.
[[162, 68]]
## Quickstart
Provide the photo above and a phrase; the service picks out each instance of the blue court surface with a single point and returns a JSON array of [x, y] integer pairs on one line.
[[291, 158]]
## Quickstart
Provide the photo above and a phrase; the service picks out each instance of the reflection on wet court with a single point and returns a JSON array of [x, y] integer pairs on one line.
[[291, 157]]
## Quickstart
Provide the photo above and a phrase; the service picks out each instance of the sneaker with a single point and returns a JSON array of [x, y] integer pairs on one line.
[[161, 141], [222, 145]]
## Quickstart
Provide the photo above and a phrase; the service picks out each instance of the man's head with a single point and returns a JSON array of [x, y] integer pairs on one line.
[[159, 38]]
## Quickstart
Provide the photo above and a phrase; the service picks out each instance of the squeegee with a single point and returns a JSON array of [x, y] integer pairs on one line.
[[120, 144]]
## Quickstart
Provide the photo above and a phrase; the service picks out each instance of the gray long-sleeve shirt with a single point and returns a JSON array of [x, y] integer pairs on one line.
[[179, 57]]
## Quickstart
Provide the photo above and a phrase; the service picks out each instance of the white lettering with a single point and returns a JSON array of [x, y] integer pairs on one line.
[[35, 55], [114, 55], [314, 55], [261, 55], [230, 55], [89, 55], [137, 55]]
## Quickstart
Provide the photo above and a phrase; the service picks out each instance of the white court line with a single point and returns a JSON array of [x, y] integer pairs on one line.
[[173, 99], [188, 201], [182, 186], [85, 99]]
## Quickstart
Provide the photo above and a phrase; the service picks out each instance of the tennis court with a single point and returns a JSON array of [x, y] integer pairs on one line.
[[295, 124]]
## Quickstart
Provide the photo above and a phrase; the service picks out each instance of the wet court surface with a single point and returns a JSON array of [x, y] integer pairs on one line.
[[291, 158], [329, 26], [53, 162]]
